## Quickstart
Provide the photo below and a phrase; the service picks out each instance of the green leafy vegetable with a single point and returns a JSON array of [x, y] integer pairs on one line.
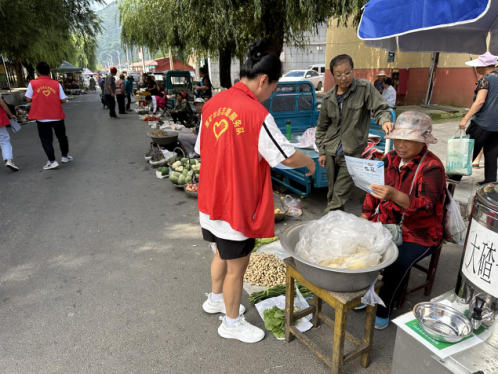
[[256, 297], [275, 321], [260, 242]]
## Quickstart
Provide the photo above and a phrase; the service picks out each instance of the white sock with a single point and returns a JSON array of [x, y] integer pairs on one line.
[[216, 297], [231, 322]]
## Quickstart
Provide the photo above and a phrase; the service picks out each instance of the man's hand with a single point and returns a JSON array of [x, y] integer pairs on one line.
[[387, 127], [322, 160], [14, 118], [383, 192], [112, 95], [311, 167], [463, 124]]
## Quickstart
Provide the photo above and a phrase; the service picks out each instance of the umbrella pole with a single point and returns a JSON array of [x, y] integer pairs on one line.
[[432, 74]]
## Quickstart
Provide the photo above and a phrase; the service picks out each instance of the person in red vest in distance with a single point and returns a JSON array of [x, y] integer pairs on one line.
[[239, 141], [46, 96]]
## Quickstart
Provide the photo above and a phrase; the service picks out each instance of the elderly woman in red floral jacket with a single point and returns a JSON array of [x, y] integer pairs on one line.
[[420, 212]]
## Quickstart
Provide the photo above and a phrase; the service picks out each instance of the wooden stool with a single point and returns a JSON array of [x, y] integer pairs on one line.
[[342, 303]]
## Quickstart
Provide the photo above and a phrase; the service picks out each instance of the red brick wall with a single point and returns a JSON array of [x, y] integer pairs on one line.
[[452, 86]]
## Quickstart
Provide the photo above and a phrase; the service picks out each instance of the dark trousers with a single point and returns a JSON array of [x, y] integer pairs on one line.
[[179, 117], [489, 141], [121, 104], [47, 137], [396, 275], [128, 103], [111, 103]]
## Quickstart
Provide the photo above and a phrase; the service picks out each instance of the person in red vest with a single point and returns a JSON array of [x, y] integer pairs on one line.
[[239, 141], [5, 145], [46, 96]]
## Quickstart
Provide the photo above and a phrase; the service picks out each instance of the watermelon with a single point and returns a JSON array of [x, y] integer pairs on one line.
[[185, 172], [181, 180], [188, 179], [173, 179]]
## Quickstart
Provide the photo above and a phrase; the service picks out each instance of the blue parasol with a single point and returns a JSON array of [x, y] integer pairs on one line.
[[452, 26]]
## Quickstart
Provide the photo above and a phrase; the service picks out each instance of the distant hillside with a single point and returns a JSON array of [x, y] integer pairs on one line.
[[109, 40]]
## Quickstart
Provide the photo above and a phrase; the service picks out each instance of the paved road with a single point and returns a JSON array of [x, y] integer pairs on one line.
[[103, 268]]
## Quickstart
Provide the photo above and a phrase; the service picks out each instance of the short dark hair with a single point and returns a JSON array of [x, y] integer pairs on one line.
[[339, 60], [148, 98], [388, 81], [43, 68], [203, 70], [121, 76], [179, 93], [260, 60]]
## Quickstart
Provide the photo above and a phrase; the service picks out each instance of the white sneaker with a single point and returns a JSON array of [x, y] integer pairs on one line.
[[51, 165], [66, 158], [11, 166], [212, 307], [243, 331]]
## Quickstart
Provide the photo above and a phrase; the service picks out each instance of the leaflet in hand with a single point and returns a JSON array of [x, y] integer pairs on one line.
[[365, 172]]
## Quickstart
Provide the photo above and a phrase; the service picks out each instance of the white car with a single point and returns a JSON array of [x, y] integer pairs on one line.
[[307, 75]]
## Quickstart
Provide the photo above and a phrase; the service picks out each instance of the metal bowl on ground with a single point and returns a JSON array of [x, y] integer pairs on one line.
[[171, 138], [191, 193], [442, 322], [282, 215], [334, 279]]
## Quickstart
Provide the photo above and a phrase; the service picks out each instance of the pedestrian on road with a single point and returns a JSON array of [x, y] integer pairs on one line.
[[121, 94], [238, 142], [110, 92], [343, 125], [413, 197], [483, 115], [92, 85], [46, 96], [5, 114], [129, 92]]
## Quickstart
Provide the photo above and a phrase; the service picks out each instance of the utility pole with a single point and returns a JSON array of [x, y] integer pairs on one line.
[[171, 62], [119, 58]]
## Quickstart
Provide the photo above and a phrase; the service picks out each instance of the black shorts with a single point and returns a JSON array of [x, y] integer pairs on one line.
[[230, 249]]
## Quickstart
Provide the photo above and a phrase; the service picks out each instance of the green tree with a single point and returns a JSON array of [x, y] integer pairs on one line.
[[225, 28], [50, 30]]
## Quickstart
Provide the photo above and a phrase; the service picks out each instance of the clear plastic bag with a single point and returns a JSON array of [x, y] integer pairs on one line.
[[454, 226], [343, 240], [295, 206], [371, 298]]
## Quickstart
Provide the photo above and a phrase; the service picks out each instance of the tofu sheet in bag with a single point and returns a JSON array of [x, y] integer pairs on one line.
[[342, 240]]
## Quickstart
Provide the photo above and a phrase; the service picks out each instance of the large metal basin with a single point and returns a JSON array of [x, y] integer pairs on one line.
[[332, 279]]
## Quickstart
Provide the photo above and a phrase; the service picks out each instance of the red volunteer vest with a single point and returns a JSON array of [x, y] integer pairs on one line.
[[46, 102], [4, 118], [235, 185]]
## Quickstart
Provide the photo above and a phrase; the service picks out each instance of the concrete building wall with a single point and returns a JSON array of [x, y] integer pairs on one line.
[[453, 83], [295, 58]]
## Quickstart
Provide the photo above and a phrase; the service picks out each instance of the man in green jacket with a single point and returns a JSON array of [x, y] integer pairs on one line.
[[343, 126]]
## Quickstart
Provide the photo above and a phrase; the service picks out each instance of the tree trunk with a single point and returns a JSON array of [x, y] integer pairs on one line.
[[19, 74], [273, 31], [30, 68], [225, 67]]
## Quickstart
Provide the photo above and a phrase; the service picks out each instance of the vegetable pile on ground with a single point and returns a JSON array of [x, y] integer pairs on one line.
[[185, 170], [163, 170], [148, 118], [265, 270], [275, 321], [258, 296]]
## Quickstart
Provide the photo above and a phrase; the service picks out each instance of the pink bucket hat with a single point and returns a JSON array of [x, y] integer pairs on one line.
[[414, 126], [484, 60]]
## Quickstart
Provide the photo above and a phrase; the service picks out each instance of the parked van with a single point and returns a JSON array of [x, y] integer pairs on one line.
[[320, 68]]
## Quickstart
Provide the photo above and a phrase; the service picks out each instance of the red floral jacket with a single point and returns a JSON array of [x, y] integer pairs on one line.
[[423, 223]]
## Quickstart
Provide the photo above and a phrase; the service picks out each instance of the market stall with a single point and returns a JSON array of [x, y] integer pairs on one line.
[[69, 76]]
